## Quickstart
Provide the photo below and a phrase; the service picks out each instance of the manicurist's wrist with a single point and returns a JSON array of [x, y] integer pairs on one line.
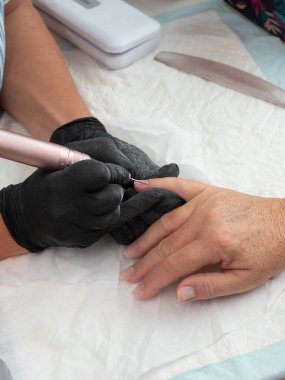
[[8, 246], [78, 129]]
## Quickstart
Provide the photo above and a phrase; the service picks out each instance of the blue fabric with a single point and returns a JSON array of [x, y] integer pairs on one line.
[[265, 364], [270, 14]]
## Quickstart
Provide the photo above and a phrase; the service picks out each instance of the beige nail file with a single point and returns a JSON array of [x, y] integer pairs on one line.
[[225, 75]]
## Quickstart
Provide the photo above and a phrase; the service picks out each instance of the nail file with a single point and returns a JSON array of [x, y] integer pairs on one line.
[[225, 75]]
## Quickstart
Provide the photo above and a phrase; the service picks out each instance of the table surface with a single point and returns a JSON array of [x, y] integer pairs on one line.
[[159, 6]]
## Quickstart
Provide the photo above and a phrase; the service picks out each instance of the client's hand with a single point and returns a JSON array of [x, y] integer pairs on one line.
[[71, 207], [89, 136], [244, 235]]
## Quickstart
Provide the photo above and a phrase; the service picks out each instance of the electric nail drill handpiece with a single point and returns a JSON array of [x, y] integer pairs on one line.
[[45, 155]]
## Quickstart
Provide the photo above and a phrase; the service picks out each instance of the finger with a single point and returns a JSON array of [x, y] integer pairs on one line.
[[130, 231], [163, 227], [138, 204], [171, 170], [204, 286], [135, 227], [169, 201], [151, 216], [102, 149], [185, 188], [118, 174], [170, 245], [142, 164], [187, 260], [140, 224], [102, 222], [90, 175], [103, 201], [129, 193]]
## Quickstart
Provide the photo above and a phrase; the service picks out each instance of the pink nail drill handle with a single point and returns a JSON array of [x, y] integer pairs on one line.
[[45, 155]]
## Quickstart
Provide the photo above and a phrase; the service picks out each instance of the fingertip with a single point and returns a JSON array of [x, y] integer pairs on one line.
[[118, 174], [127, 273], [123, 176], [185, 188], [170, 170], [186, 293], [215, 284], [151, 183], [132, 251], [140, 292], [91, 174], [114, 194], [159, 183], [139, 187]]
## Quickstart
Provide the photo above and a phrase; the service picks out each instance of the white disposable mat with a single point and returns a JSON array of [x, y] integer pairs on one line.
[[64, 314]]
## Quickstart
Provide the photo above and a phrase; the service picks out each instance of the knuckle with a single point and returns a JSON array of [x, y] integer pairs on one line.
[[167, 222], [165, 247], [109, 219], [182, 261], [220, 238], [111, 196], [169, 266], [206, 290], [140, 270], [251, 281], [102, 170], [174, 217], [116, 194], [213, 215]]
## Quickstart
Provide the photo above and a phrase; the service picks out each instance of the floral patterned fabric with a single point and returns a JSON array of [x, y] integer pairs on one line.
[[270, 14]]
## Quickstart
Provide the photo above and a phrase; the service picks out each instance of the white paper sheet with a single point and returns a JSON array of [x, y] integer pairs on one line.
[[64, 314]]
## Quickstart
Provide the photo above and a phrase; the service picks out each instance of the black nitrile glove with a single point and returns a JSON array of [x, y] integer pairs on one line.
[[140, 210], [72, 207], [89, 136]]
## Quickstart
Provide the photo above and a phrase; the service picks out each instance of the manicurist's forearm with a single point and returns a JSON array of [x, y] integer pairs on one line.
[[8, 246], [38, 90]]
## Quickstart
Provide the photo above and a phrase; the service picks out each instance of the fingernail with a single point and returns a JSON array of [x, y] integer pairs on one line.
[[125, 274], [130, 250], [139, 186], [139, 290], [186, 293]]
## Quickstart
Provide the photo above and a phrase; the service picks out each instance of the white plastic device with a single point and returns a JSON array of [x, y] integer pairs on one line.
[[112, 31]]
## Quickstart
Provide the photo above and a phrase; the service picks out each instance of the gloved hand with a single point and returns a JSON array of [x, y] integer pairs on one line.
[[140, 210], [72, 207], [89, 136]]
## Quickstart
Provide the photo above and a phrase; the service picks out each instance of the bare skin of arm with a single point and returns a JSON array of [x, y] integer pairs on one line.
[[8, 246], [38, 91]]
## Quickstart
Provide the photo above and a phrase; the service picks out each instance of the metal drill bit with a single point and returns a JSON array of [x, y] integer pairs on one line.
[[144, 182]]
